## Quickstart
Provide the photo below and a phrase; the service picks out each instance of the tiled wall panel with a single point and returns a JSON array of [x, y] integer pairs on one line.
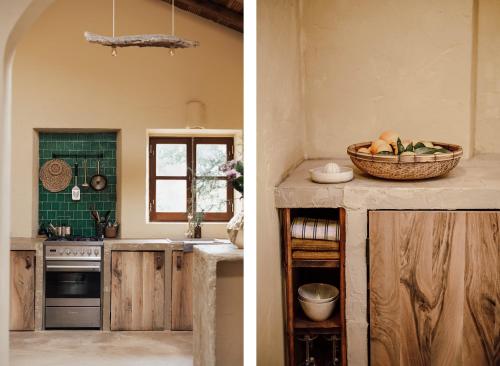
[[58, 208]]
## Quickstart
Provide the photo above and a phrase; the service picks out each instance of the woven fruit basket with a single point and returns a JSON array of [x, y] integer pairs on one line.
[[406, 167]]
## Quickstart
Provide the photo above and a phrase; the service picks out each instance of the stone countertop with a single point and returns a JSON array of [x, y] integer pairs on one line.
[[26, 243], [141, 244], [219, 253], [474, 183], [18, 243]]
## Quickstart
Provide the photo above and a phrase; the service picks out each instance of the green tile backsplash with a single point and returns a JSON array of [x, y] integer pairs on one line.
[[58, 208]]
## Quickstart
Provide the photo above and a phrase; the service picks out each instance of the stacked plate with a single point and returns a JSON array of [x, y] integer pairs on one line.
[[318, 300]]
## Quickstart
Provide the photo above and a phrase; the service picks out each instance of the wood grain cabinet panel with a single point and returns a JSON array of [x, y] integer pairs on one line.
[[434, 287], [137, 290], [22, 290], [182, 290]]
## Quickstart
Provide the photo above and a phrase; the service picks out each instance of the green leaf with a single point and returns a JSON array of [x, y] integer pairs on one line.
[[409, 147], [400, 146], [425, 150], [239, 167], [418, 145]]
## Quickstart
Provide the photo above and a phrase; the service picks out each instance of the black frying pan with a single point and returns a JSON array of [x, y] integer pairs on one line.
[[98, 182]]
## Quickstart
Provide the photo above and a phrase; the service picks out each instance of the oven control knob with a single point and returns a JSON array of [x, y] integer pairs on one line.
[[82, 251], [68, 252], [96, 251], [89, 251], [61, 251], [75, 252]]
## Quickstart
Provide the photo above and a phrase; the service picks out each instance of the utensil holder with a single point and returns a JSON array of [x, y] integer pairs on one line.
[[111, 232]]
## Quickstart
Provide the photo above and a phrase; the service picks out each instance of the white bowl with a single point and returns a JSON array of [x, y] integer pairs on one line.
[[318, 312], [317, 301], [318, 292], [318, 175]]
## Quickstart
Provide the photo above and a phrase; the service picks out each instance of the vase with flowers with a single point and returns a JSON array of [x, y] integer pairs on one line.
[[234, 172]]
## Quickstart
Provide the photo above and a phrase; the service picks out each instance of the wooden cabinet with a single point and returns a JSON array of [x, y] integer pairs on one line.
[[182, 290], [137, 290], [434, 287], [22, 290]]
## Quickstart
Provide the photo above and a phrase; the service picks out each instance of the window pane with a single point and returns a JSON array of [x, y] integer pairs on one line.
[[209, 157], [211, 195], [171, 159], [171, 196]]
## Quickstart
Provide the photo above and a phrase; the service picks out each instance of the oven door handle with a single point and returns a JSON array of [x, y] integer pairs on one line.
[[73, 268]]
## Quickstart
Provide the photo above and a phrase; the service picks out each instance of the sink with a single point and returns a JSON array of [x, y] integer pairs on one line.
[[189, 243]]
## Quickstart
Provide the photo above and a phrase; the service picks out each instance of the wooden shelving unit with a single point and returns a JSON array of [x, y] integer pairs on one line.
[[298, 272]]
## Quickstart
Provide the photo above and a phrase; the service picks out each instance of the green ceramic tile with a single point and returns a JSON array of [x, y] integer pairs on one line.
[[59, 207]]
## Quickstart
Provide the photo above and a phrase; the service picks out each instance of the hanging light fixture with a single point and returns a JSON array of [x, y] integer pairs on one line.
[[170, 41]]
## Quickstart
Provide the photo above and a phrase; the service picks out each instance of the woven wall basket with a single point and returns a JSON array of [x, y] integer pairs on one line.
[[405, 167], [55, 175]]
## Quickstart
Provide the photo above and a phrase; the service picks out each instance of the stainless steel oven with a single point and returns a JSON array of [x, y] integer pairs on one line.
[[73, 284]]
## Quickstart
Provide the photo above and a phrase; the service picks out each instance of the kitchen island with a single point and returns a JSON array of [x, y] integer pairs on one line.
[[218, 305], [473, 185]]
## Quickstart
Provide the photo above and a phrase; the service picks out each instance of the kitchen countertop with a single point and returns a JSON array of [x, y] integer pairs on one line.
[[474, 183], [26, 243], [18, 243]]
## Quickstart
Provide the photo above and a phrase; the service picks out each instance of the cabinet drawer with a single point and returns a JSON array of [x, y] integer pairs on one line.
[[67, 317]]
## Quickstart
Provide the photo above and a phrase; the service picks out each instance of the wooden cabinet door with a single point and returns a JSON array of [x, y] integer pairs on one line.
[[22, 290], [433, 287], [137, 290], [182, 290]]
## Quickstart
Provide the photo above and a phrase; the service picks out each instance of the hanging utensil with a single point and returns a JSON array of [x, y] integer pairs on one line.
[[85, 185], [98, 182], [75, 192]]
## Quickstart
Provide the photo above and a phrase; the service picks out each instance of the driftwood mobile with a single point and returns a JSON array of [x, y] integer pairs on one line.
[[170, 41]]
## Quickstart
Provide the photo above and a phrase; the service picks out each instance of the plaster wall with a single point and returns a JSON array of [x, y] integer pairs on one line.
[[488, 77], [15, 18], [387, 64], [61, 81], [280, 137]]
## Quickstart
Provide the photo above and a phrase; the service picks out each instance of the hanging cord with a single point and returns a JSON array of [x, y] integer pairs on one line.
[[173, 17], [172, 51], [114, 12], [113, 49]]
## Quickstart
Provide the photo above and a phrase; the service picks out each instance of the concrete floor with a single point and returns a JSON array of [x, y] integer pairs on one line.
[[95, 348]]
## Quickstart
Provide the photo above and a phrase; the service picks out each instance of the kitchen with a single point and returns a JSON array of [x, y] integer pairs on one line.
[[116, 187], [378, 182]]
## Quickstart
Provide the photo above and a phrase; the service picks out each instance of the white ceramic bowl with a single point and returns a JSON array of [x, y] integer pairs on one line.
[[319, 176], [318, 312], [318, 292], [317, 301]]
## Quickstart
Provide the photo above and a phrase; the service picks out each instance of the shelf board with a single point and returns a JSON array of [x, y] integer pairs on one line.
[[330, 263], [303, 323]]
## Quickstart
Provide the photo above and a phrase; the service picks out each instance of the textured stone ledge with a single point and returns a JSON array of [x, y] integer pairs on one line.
[[206, 259]]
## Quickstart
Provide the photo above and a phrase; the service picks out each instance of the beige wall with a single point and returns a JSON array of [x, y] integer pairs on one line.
[[488, 77], [15, 18], [61, 81], [280, 131], [386, 64]]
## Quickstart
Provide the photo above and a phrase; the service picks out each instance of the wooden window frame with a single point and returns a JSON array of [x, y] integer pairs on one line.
[[191, 143]]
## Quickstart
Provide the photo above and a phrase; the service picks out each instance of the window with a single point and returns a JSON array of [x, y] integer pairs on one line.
[[184, 171]]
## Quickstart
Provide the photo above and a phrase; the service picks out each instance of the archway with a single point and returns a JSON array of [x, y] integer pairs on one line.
[[16, 17]]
